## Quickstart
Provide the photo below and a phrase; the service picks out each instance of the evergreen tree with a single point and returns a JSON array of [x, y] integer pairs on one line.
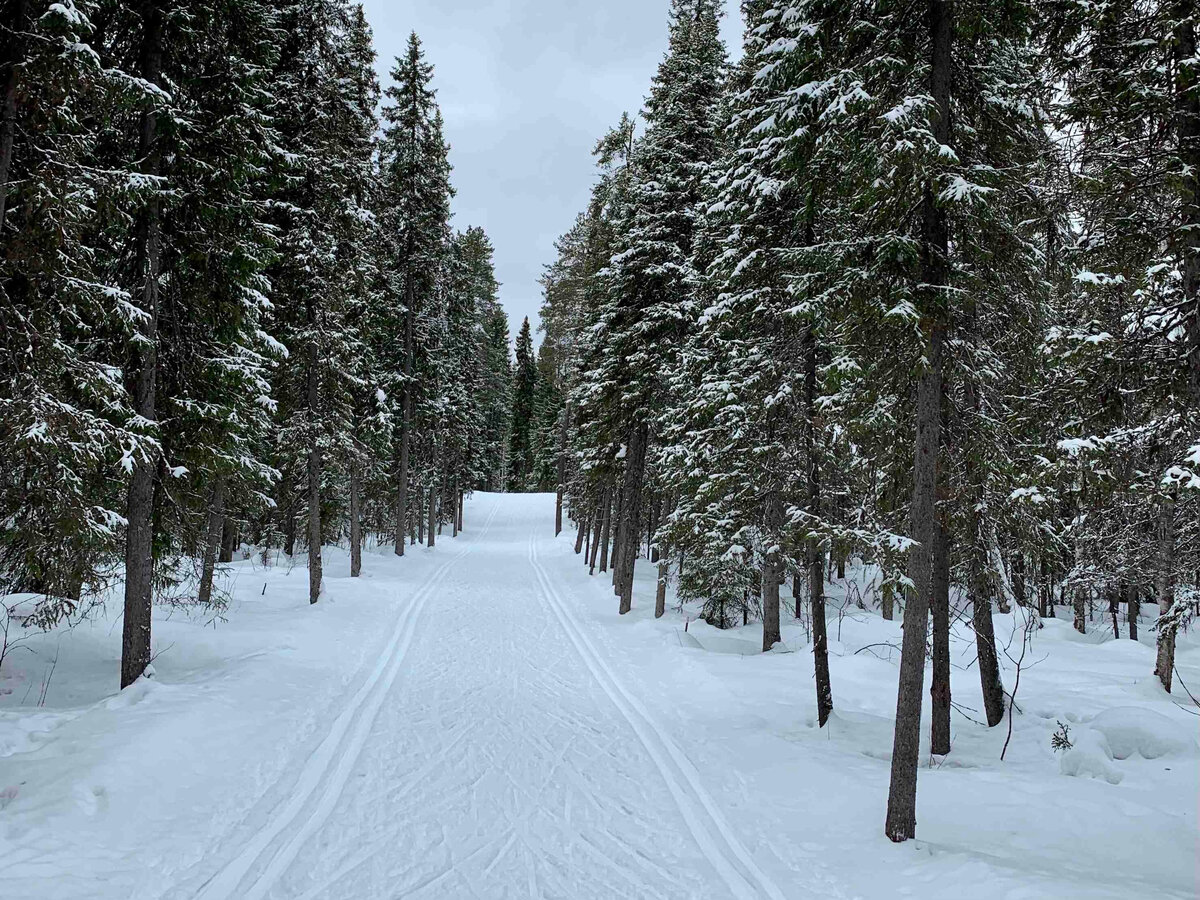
[[414, 216], [524, 400]]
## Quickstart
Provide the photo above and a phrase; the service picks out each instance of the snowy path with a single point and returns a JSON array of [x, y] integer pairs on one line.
[[493, 752]]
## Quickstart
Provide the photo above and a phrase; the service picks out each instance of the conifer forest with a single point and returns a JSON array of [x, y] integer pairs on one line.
[[847, 443]]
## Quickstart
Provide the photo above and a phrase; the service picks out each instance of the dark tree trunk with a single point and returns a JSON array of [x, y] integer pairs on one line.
[[985, 638], [606, 530], [579, 533], [1164, 588], [889, 600], [562, 468], [432, 515], [596, 522], [229, 539], [212, 540], [139, 533], [454, 518], [420, 514], [287, 511], [772, 574], [314, 470], [18, 15], [355, 522], [635, 472], [815, 562], [406, 417], [901, 822], [939, 689]]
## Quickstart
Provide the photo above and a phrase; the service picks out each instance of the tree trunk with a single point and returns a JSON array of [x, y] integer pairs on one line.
[[454, 518], [1187, 108], [287, 512], [406, 417], [462, 504], [772, 574], [229, 539], [939, 689], [606, 531], [1131, 600], [889, 600], [1164, 589], [816, 595], [901, 822], [13, 53], [1079, 604], [579, 536], [635, 472], [314, 471], [432, 515], [212, 541], [562, 468], [596, 522], [139, 533], [355, 522], [981, 619], [814, 558]]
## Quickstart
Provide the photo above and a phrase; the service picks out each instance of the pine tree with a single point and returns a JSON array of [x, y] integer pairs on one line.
[[524, 399], [414, 215]]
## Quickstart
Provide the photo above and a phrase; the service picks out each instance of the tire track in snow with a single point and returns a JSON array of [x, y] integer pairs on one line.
[[707, 825], [327, 769]]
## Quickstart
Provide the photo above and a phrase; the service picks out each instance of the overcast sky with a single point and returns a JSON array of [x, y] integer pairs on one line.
[[526, 88]]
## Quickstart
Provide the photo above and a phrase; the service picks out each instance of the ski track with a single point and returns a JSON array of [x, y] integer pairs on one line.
[[704, 820], [330, 764]]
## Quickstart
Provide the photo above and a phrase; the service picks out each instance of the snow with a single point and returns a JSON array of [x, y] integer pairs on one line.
[[477, 721]]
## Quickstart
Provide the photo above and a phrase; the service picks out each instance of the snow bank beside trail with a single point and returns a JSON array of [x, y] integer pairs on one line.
[[108, 795], [1123, 826]]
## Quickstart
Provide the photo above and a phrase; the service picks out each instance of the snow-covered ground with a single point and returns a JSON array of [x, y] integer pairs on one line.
[[477, 721]]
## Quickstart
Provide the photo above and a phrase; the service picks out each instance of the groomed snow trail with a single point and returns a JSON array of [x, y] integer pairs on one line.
[[493, 752]]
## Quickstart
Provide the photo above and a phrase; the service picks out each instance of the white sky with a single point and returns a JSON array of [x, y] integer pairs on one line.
[[526, 88]]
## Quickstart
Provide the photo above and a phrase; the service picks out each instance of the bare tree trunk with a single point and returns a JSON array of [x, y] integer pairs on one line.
[[454, 518], [432, 514], [772, 574], [901, 822], [406, 416], [889, 600], [1079, 604], [579, 535], [287, 512], [229, 539], [1164, 589], [462, 503], [212, 540], [939, 689], [1187, 108], [815, 562], [314, 472], [562, 468], [606, 530], [1133, 604], [139, 533], [13, 46], [355, 522], [596, 522], [630, 531], [420, 515]]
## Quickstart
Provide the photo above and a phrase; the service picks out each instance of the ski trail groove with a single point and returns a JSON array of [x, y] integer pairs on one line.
[[717, 838], [331, 763]]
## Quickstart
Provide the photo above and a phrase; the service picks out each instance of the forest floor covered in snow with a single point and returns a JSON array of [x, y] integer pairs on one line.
[[477, 721]]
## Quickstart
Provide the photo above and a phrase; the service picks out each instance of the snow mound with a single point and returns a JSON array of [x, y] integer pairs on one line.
[[1131, 729], [1091, 757]]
